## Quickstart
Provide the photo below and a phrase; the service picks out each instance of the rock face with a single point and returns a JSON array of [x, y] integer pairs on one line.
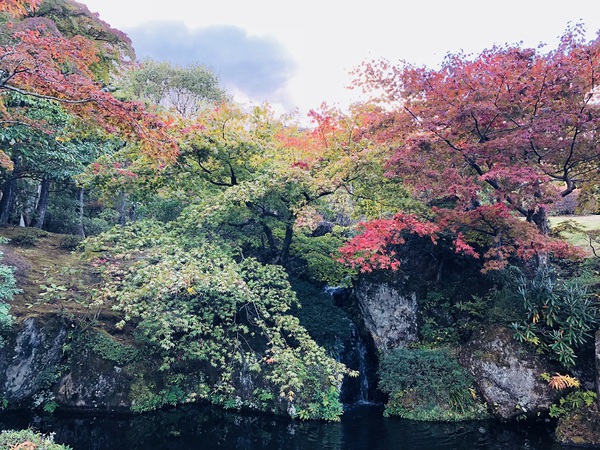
[[507, 374], [598, 365], [390, 314], [34, 371], [28, 363], [105, 388]]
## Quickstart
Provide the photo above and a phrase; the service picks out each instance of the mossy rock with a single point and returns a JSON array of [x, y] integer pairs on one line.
[[581, 427]]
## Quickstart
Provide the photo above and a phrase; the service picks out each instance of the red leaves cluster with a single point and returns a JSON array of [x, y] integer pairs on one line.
[[490, 233], [18, 7], [373, 247]]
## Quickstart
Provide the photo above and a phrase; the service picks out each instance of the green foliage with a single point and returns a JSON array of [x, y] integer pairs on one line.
[[327, 324], [186, 90], [8, 288], [50, 406], [10, 439], [28, 237], [53, 292], [560, 317], [428, 385], [163, 210], [70, 241], [147, 399], [573, 401], [197, 304], [106, 347], [316, 253], [6, 319]]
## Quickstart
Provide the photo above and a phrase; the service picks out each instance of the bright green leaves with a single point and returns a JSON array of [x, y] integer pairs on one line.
[[192, 302], [185, 90]]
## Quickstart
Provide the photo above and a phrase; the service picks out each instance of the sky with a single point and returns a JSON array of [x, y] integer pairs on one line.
[[296, 55]]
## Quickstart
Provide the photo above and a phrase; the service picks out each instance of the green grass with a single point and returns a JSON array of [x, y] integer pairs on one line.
[[578, 238]]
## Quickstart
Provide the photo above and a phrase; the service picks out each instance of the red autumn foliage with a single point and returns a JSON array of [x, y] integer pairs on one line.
[[38, 61], [18, 7], [485, 140]]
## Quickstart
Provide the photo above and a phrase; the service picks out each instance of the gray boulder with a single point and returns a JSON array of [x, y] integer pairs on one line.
[[29, 361], [507, 373], [390, 314]]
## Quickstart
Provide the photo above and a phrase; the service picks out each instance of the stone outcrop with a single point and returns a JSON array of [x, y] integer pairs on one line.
[[29, 360], [507, 374], [106, 387], [580, 427], [598, 366], [390, 315]]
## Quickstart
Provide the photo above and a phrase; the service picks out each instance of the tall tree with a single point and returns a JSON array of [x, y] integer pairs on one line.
[[113, 48], [186, 90]]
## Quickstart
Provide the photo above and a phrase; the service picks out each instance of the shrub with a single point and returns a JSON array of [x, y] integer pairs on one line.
[[560, 317], [202, 306], [8, 288], [106, 347], [428, 385], [10, 439], [70, 241], [28, 237]]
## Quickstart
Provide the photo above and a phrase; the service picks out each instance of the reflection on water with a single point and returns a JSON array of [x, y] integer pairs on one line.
[[203, 427]]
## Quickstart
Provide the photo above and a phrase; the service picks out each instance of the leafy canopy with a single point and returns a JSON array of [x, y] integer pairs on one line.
[[485, 140]]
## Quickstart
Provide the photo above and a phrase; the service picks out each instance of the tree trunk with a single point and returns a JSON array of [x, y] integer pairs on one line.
[[42, 205], [287, 242], [271, 241], [8, 199], [80, 229], [540, 219], [121, 209]]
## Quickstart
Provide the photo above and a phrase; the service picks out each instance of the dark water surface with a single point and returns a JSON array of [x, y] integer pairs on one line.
[[203, 427]]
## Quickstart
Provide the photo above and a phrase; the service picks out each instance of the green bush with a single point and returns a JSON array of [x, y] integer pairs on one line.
[[428, 385], [560, 317], [28, 237], [70, 241], [317, 262], [12, 439], [572, 402], [106, 347], [8, 288]]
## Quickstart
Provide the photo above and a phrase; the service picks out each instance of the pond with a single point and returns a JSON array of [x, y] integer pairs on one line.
[[205, 427]]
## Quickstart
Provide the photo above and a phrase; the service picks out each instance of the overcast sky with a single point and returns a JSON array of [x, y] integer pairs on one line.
[[296, 55]]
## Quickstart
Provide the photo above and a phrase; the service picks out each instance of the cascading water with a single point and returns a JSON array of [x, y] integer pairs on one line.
[[356, 356], [361, 353]]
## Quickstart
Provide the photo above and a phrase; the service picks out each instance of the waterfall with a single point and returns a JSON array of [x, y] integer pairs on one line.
[[361, 353], [356, 356]]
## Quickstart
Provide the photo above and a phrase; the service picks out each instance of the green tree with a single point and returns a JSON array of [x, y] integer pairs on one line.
[[193, 302], [185, 90]]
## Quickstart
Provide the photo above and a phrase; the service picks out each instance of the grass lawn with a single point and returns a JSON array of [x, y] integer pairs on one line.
[[580, 239]]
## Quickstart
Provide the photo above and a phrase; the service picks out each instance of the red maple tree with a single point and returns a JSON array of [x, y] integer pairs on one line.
[[37, 60], [490, 139]]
